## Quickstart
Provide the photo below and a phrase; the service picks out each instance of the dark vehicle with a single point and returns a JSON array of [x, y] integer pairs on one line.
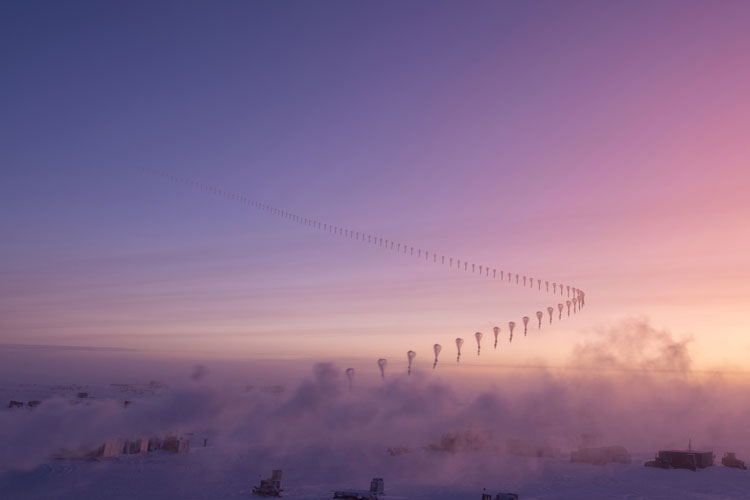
[[269, 487], [730, 460], [500, 496], [376, 489]]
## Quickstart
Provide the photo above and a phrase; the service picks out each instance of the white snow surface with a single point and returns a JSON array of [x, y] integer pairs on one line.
[[325, 436], [195, 476]]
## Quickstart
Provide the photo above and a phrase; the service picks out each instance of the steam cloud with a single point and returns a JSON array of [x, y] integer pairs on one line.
[[642, 410]]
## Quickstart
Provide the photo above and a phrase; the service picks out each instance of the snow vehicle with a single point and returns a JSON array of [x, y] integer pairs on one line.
[[269, 487], [730, 460], [499, 496], [376, 489]]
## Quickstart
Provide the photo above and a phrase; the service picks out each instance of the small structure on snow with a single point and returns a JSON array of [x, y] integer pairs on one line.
[[730, 460], [176, 445], [682, 459], [269, 487], [499, 496], [154, 443], [377, 488], [136, 446], [112, 448]]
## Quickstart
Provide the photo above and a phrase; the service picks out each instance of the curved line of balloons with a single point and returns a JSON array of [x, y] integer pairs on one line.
[[576, 302]]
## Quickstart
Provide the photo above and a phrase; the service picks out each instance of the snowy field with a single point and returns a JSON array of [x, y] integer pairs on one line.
[[195, 476], [431, 435], [325, 437]]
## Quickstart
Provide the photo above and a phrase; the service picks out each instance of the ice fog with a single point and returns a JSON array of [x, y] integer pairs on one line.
[[630, 385]]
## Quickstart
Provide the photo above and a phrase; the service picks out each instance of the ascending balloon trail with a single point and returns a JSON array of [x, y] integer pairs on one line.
[[578, 300], [364, 237]]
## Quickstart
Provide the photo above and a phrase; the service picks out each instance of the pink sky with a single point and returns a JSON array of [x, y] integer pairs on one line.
[[601, 146]]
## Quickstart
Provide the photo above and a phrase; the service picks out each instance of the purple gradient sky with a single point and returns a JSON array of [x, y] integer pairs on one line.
[[603, 145]]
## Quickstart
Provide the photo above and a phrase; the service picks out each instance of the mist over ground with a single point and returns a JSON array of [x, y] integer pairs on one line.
[[630, 385]]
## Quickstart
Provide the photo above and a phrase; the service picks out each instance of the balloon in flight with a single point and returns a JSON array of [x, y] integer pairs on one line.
[[410, 356], [381, 364]]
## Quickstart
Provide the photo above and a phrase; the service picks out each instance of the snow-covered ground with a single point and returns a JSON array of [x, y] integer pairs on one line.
[[325, 436], [195, 476]]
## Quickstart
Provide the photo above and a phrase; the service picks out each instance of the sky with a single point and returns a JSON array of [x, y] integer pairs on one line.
[[597, 144]]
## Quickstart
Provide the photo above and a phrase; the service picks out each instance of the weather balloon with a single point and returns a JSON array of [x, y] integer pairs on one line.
[[410, 356], [381, 364]]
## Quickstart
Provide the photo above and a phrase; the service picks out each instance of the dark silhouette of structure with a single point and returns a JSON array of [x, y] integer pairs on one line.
[[269, 487], [730, 460], [682, 459], [376, 489]]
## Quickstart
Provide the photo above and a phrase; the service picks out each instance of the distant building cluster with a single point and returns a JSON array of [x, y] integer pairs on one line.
[[20, 404], [121, 446]]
